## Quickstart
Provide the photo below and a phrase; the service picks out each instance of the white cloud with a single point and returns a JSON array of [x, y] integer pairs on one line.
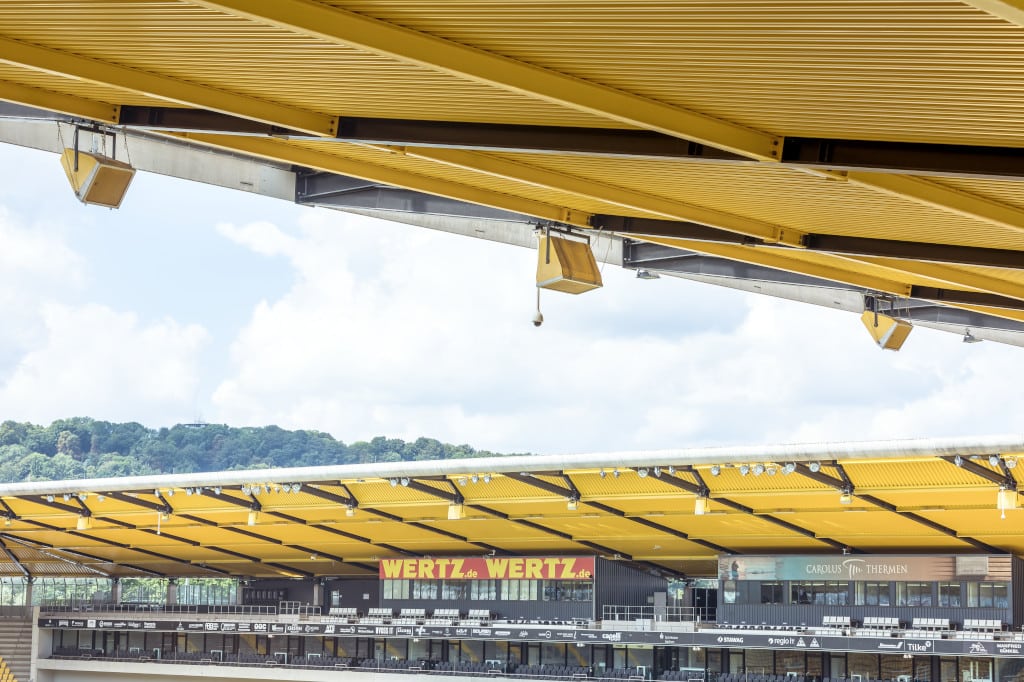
[[35, 266], [100, 363], [392, 330]]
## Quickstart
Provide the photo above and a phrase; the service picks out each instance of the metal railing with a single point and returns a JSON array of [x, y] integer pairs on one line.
[[671, 614]]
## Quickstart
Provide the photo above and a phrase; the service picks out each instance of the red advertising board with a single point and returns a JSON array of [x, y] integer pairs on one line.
[[489, 568]]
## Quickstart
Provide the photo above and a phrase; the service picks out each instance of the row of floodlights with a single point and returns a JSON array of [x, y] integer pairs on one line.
[[643, 472], [256, 489], [993, 460], [462, 480], [770, 468]]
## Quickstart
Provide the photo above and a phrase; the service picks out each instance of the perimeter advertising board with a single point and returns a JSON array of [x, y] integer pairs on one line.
[[792, 640]]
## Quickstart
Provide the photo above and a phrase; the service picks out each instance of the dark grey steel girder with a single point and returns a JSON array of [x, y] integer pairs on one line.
[[820, 243], [828, 153], [1002, 478], [254, 505], [338, 191], [10, 555], [166, 508], [951, 160], [701, 488], [51, 550], [572, 493], [844, 484], [669, 259]]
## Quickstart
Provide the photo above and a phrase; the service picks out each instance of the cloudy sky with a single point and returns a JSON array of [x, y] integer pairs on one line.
[[194, 302]]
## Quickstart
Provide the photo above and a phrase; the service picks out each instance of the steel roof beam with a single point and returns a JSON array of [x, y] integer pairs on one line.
[[415, 485], [549, 531], [350, 29], [10, 555], [437, 531], [166, 508], [67, 64], [43, 548], [254, 505], [844, 484], [958, 297], [588, 188], [281, 151], [573, 494], [924, 158], [1010, 10], [455, 497], [1001, 478], [964, 161], [701, 489], [840, 245], [113, 543], [59, 102]]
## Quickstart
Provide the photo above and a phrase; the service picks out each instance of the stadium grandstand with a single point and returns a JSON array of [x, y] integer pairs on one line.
[[894, 560]]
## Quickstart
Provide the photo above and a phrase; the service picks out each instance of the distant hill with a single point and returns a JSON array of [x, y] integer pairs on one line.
[[81, 447]]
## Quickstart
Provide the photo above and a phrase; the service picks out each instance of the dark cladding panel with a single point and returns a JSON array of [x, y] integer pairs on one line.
[[1017, 591], [358, 593], [618, 584]]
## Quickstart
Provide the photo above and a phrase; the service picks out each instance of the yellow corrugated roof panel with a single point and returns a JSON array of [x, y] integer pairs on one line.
[[929, 71]]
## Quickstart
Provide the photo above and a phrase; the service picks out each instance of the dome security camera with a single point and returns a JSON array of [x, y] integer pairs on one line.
[[538, 319]]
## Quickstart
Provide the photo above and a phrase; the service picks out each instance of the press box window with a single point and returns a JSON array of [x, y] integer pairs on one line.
[[771, 593], [949, 594], [913, 594], [396, 589], [871, 594], [988, 595]]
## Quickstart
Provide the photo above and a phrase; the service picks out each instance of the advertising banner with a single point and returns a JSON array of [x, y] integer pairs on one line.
[[489, 568], [883, 568]]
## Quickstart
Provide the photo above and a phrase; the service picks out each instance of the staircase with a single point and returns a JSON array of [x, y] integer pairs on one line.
[[15, 649]]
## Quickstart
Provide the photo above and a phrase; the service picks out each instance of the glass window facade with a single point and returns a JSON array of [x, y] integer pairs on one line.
[[489, 590]]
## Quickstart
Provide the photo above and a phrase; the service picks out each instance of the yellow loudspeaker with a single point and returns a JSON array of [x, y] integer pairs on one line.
[[890, 333], [566, 265], [99, 179]]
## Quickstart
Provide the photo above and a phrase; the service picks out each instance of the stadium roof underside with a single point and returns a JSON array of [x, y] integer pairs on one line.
[[669, 511], [837, 148]]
